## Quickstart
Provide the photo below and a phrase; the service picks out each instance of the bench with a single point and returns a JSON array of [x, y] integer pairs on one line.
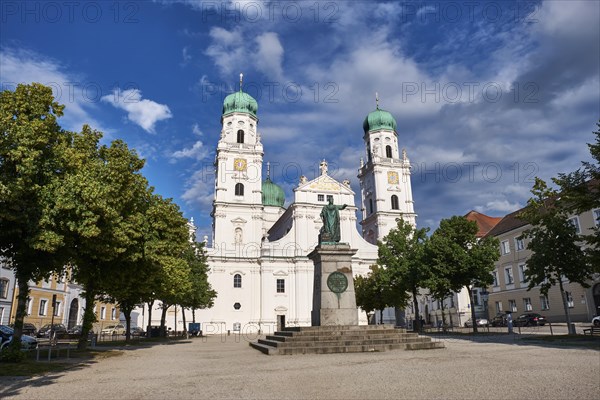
[[592, 330]]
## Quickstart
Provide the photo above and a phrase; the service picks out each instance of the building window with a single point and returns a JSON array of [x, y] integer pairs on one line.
[[544, 302], [102, 312], [239, 189], [113, 313], [498, 307], [57, 308], [475, 293], [237, 281], [512, 305], [43, 307], [508, 276], [4, 288], [280, 285], [28, 305], [321, 197], [575, 222], [240, 136], [596, 214], [522, 269], [452, 301], [495, 275], [395, 202], [370, 206], [527, 304], [237, 306], [505, 247], [388, 151], [519, 243], [329, 197], [569, 297]]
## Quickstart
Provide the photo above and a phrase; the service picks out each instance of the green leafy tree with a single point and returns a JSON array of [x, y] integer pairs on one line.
[[374, 292], [557, 253], [99, 212], [461, 258], [32, 146], [402, 254], [580, 192], [201, 294]]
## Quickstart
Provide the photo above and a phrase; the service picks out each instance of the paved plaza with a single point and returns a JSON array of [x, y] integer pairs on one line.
[[226, 367]]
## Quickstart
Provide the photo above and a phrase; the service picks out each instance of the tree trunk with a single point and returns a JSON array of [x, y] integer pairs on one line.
[[472, 309], [443, 317], [88, 316], [21, 311], [417, 321], [193, 315], [127, 312], [380, 317], [163, 317], [565, 305], [183, 319], [149, 327]]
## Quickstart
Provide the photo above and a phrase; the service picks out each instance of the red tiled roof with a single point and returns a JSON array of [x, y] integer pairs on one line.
[[484, 222]]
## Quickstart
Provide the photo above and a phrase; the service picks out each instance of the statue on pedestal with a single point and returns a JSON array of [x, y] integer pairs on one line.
[[330, 215]]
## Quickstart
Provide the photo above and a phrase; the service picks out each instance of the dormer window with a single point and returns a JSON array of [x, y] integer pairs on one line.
[[388, 151]]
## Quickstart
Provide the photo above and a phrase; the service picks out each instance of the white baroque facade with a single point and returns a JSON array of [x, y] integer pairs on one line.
[[258, 252]]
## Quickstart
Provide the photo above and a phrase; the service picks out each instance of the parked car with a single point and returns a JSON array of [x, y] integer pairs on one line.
[[499, 320], [76, 330], [479, 321], [596, 321], [59, 331], [530, 319], [118, 329], [6, 335], [137, 331], [29, 329]]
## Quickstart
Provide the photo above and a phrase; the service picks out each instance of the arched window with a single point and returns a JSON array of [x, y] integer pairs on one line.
[[237, 281], [388, 151], [395, 202], [370, 206], [239, 189], [240, 136]]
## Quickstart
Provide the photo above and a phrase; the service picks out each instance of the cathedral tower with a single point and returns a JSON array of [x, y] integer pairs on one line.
[[237, 205], [384, 178]]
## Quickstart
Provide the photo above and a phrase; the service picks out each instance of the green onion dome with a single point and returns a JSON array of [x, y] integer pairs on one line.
[[379, 119], [272, 194], [240, 102]]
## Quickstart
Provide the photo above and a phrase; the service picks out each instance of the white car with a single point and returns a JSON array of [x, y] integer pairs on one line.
[[596, 321], [118, 329]]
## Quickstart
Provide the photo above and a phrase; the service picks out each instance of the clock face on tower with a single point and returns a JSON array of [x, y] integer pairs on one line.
[[392, 177], [239, 164]]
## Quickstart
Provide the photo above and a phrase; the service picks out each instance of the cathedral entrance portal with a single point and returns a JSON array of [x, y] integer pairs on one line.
[[280, 322]]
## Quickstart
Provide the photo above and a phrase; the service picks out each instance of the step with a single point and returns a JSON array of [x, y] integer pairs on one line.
[[325, 328], [313, 338], [425, 346], [333, 343], [339, 349], [340, 333], [268, 350]]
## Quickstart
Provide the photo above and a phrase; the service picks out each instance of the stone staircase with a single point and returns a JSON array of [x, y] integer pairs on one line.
[[342, 339]]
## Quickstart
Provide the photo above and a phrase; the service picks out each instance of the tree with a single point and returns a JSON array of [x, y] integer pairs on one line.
[[32, 146], [374, 292], [557, 254], [201, 294], [402, 254], [464, 260], [580, 191]]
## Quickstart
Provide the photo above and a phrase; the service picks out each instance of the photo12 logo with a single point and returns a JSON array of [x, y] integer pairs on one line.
[[125, 12]]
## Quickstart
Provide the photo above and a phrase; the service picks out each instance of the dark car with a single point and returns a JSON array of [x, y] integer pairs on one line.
[[499, 320], [530, 319], [76, 330], [137, 331], [59, 331], [28, 329], [6, 335]]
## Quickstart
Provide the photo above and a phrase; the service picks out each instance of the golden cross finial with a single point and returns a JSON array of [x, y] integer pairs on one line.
[[268, 170], [377, 99], [241, 79]]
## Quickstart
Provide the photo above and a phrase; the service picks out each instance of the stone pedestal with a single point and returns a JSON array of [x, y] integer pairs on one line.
[[334, 301]]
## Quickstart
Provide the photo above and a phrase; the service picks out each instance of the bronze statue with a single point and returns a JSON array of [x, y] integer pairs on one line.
[[330, 215]]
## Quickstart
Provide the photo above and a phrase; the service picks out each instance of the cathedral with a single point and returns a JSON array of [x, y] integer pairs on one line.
[[258, 252]]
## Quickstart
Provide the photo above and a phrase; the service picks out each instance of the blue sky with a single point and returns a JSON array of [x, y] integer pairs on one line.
[[487, 95]]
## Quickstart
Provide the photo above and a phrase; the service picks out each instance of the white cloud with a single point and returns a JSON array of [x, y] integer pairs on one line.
[[199, 190], [143, 112], [502, 206], [196, 130], [197, 152], [269, 56], [25, 66], [185, 55]]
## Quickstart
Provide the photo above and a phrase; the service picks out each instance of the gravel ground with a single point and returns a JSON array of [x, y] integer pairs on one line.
[[223, 368]]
